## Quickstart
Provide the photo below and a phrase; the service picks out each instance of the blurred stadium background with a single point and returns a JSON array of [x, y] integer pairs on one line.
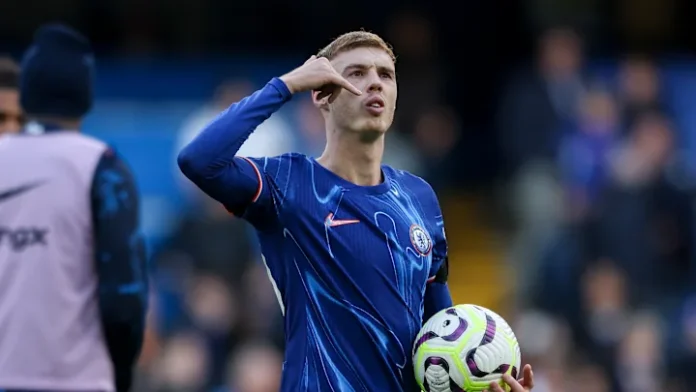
[[560, 135]]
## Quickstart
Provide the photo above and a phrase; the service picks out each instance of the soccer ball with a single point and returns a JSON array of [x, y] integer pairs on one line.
[[463, 349]]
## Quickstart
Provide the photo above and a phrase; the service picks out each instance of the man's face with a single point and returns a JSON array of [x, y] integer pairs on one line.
[[372, 71], [10, 111]]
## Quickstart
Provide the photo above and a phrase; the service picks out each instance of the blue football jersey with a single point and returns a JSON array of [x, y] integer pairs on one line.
[[350, 263], [350, 266]]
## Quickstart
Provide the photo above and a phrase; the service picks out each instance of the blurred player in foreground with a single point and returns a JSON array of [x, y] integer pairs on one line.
[[73, 282], [11, 118], [356, 250]]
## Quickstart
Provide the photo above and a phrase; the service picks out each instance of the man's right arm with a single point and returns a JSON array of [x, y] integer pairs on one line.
[[209, 160], [121, 264]]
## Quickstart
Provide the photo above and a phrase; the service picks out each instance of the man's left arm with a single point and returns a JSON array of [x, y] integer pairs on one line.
[[437, 294]]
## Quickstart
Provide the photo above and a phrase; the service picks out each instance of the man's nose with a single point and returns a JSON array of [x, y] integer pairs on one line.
[[375, 83]]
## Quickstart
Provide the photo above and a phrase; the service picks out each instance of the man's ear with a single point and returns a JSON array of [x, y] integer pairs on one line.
[[321, 104]]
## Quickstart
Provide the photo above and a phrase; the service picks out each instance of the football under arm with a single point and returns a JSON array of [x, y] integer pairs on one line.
[[209, 160], [437, 294], [120, 263]]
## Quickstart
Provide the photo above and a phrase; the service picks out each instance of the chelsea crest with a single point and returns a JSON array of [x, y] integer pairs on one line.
[[420, 240]]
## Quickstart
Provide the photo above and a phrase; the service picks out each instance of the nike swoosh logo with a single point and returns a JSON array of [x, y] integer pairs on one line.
[[331, 222], [8, 194]]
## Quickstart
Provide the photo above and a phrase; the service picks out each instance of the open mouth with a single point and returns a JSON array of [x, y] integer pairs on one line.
[[375, 105]]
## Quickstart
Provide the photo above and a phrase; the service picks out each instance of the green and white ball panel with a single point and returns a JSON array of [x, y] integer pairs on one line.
[[464, 348]]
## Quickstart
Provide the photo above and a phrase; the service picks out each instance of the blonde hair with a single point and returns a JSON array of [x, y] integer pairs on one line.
[[355, 39]]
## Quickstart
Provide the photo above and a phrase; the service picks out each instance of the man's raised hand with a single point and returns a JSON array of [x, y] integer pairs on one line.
[[317, 74]]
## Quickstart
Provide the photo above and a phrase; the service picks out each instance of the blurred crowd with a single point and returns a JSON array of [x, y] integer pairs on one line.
[[602, 244]]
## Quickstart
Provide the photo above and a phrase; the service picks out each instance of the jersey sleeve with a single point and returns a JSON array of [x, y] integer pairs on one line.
[[439, 268], [210, 161], [272, 176], [437, 295], [121, 264]]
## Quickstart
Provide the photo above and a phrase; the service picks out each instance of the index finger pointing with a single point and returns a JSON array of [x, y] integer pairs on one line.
[[347, 85]]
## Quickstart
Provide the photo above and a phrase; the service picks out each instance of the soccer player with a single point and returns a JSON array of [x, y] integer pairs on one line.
[[356, 250], [73, 282], [10, 113]]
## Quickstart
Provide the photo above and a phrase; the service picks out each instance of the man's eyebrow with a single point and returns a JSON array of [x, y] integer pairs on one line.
[[381, 68], [356, 66]]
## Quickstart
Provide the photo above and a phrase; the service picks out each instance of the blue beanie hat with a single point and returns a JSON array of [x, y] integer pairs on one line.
[[57, 73]]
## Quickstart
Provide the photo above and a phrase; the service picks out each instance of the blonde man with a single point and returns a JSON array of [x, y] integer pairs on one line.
[[356, 250]]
